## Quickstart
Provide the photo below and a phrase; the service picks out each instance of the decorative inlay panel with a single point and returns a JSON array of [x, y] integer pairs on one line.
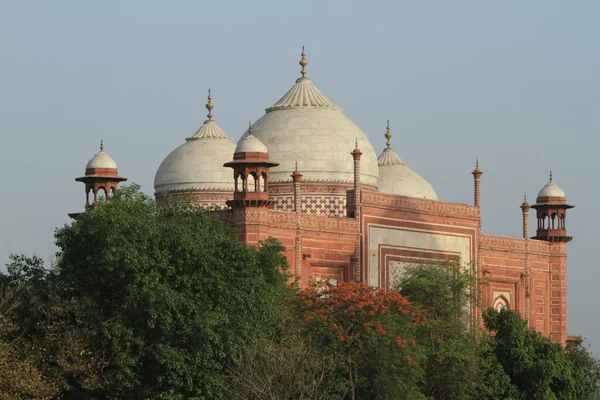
[[330, 206]]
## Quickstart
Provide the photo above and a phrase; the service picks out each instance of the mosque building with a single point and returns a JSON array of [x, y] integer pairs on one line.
[[305, 174]]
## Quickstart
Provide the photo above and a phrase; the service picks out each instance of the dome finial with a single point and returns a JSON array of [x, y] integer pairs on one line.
[[101, 144], [209, 106], [303, 62], [550, 175], [525, 197], [249, 128], [477, 162], [388, 134]]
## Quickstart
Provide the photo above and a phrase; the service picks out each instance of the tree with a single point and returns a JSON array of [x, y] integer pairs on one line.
[[287, 366], [372, 331], [444, 291], [586, 370], [166, 296], [45, 354], [536, 367]]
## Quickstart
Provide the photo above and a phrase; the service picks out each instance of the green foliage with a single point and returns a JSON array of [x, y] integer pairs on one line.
[[445, 292], [586, 371], [536, 367], [167, 297], [149, 303]]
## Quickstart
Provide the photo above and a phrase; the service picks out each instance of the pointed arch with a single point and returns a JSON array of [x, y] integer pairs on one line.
[[501, 302]]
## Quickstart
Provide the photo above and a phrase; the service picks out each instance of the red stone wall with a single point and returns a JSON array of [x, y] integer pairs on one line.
[[504, 271], [325, 247]]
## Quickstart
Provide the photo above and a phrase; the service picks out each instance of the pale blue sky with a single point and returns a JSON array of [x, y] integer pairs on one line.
[[514, 83]]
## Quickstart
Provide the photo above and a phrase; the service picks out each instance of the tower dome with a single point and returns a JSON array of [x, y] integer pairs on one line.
[[101, 160], [196, 167], [397, 177], [305, 127], [250, 144], [551, 192]]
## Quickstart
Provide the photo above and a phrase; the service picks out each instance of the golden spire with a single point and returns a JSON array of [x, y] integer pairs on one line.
[[388, 134], [209, 106], [101, 144], [303, 62]]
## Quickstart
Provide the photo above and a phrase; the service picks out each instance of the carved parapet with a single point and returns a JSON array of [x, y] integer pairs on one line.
[[509, 243], [422, 206]]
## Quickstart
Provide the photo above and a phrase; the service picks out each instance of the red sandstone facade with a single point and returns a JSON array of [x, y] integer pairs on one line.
[[382, 232]]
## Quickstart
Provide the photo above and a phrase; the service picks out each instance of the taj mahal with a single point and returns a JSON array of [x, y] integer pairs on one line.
[[306, 175]]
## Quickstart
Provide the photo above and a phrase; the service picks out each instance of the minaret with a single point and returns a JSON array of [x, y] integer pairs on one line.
[[296, 178], [525, 210], [479, 266], [477, 182], [551, 206], [356, 154], [251, 202], [101, 178]]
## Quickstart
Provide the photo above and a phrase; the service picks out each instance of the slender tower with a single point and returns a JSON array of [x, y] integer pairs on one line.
[[356, 154], [296, 179], [479, 266], [525, 210]]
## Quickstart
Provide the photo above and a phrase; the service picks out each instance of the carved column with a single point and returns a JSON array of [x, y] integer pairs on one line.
[[296, 178], [525, 208], [479, 266], [356, 154]]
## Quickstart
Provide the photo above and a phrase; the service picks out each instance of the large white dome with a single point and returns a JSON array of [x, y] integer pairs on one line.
[[198, 163], [304, 126]]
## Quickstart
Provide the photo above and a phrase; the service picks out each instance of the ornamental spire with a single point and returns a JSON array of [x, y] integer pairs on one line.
[[303, 63], [209, 106], [388, 134], [550, 175], [101, 145], [249, 128]]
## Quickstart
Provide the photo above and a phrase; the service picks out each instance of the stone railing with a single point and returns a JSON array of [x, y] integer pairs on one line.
[[423, 206]]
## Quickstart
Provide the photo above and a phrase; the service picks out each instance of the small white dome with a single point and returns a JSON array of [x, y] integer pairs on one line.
[[551, 190], [101, 160], [250, 144], [198, 163], [398, 178]]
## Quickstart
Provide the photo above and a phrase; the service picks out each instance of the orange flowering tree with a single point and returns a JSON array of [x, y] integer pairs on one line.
[[373, 332]]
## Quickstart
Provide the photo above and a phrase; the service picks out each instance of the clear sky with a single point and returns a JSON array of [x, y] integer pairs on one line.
[[513, 83]]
